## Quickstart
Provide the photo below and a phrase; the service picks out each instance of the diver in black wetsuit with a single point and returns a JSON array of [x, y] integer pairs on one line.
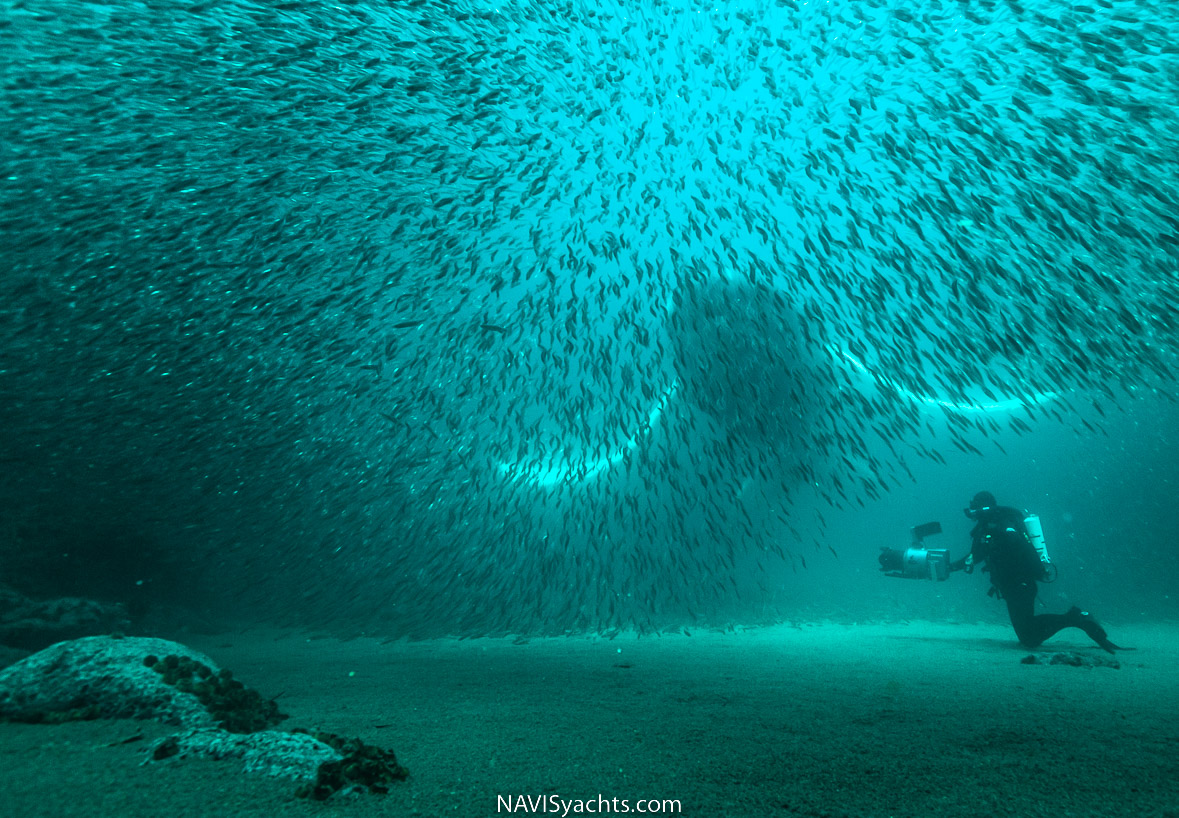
[[1000, 539]]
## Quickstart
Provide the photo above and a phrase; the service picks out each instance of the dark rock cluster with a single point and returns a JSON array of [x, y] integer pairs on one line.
[[1071, 658], [362, 765], [237, 708]]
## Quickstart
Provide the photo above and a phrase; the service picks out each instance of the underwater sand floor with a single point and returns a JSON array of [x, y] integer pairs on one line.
[[909, 719]]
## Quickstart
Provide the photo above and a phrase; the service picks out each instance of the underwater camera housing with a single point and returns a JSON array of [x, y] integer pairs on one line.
[[916, 561]]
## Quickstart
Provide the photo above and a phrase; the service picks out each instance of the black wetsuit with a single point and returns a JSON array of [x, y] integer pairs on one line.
[[1000, 540]]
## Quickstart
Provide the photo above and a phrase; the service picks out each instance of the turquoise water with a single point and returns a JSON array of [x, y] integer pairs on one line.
[[435, 318]]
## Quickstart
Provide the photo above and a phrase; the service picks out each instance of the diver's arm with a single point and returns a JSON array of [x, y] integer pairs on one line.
[[967, 562]]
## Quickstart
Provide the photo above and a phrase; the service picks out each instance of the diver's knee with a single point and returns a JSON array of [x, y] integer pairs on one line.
[[1027, 636]]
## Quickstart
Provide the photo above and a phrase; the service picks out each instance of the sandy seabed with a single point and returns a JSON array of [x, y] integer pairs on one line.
[[910, 719]]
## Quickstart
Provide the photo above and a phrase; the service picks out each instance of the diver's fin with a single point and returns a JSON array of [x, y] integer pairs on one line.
[[1085, 621]]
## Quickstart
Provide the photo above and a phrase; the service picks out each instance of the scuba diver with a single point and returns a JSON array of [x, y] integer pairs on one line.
[[1002, 541]]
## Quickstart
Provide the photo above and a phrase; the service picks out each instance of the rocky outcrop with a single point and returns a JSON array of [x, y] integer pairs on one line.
[[35, 624]]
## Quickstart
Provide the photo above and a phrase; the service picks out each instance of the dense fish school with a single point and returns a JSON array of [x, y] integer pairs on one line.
[[539, 317]]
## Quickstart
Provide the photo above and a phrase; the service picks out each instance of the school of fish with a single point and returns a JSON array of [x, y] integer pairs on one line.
[[474, 318]]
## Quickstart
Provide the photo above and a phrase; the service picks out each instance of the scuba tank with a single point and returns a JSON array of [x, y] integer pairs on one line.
[[1036, 535]]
